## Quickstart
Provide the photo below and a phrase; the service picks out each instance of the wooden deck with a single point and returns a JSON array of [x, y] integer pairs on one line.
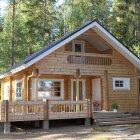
[[43, 110]]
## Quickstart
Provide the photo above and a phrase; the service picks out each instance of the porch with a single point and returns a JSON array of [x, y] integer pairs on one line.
[[43, 110]]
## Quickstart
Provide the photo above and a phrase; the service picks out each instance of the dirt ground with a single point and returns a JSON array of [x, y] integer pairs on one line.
[[124, 132]]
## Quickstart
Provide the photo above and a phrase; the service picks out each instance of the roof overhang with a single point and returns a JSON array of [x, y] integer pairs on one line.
[[97, 28]]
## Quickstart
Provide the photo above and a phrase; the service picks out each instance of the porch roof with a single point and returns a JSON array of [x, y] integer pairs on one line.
[[69, 37]]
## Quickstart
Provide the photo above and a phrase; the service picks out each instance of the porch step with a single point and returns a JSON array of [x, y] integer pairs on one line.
[[111, 115], [118, 122], [114, 118]]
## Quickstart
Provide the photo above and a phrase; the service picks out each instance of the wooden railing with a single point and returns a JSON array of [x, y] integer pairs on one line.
[[68, 109], [102, 60], [28, 110], [43, 110], [2, 111]]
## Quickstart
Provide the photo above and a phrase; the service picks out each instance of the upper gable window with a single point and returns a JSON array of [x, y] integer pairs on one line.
[[78, 46]]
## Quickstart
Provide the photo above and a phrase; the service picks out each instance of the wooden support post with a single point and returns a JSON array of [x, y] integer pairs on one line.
[[77, 95], [11, 90], [106, 90], [46, 114], [46, 109], [138, 94], [66, 88], [35, 89], [6, 110], [90, 107], [6, 119], [25, 96], [77, 89], [102, 99], [2, 90]]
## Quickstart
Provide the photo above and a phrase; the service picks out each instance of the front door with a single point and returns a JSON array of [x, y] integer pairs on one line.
[[80, 88], [96, 94]]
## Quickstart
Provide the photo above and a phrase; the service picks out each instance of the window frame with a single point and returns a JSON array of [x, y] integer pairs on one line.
[[126, 83], [82, 43], [15, 88], [53, 97]]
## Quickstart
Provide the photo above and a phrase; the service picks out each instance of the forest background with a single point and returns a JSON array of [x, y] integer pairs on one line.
[[29, 25]]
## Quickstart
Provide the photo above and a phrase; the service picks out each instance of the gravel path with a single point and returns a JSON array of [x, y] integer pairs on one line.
[[78, 132]]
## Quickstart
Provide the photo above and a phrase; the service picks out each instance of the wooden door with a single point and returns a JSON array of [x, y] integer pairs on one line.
[[96, 93]]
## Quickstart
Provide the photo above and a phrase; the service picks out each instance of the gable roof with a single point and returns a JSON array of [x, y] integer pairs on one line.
[[69, 37]]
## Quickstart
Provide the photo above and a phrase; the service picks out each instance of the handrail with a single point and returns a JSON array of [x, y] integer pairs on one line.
[[86, 54]]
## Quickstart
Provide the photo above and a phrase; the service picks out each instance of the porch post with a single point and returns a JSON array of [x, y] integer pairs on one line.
[[77, 95], [7, 127], [6, 123], [35, 88], [1, 126], [46, 114], [10, 96], [106, 107], [46, 124], [77, 89], [25, 96], [87, 121]]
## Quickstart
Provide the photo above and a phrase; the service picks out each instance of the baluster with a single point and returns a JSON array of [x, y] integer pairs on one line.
[[73, 107], [103, 61], [64, 108]]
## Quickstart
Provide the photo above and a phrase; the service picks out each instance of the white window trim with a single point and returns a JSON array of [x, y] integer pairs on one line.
[[126, 82], [78, 42], [6, 94], [17, 81], [54, 80], [84, 90]]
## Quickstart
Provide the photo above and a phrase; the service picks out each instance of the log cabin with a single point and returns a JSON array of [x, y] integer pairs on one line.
[[84, 71]]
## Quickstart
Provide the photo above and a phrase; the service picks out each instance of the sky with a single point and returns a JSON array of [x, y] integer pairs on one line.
[[60, 2], [3, 5]]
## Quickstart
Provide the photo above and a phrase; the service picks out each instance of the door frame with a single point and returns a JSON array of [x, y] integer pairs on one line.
[[84, 89], [101, 98]]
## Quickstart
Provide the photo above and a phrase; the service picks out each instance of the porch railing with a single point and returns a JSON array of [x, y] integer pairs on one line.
[[43, 110], [29, 110], [68, 109], [2, 111]]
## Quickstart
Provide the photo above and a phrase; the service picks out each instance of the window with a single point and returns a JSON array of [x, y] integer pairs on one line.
[[50, 88], [18, 89], [78, 46], [121, 83], [6, 90]]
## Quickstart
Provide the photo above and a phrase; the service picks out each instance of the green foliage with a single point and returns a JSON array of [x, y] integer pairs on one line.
[[115, 106]]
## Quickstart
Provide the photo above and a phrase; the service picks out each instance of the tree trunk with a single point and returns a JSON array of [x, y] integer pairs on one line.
[[12, 33], [44, 18]]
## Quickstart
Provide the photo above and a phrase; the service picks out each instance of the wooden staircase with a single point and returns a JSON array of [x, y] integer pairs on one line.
[[114, 118]]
